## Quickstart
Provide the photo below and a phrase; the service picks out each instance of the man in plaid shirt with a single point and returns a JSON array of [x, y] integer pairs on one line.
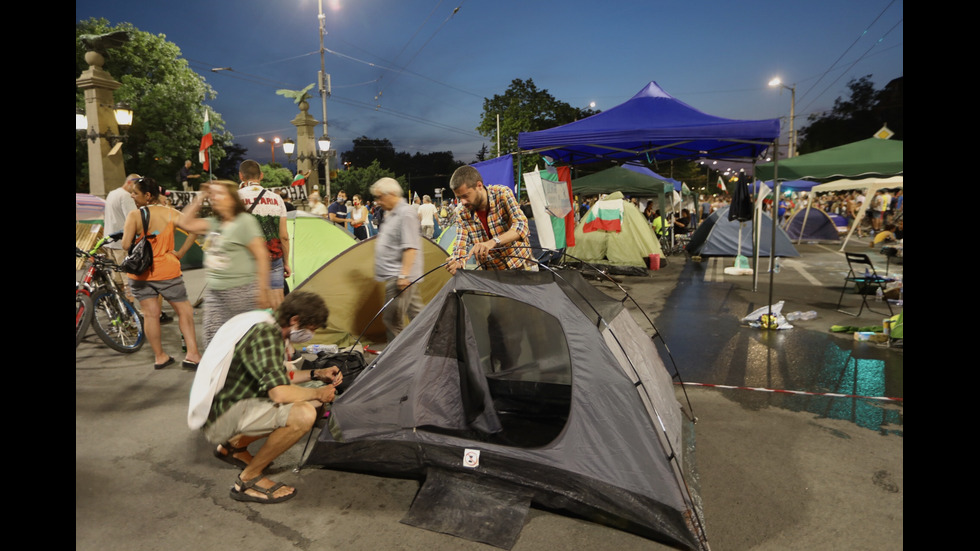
[[260, 398], [492, 226]]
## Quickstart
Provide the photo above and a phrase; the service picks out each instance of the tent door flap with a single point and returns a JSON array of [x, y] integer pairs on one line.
[[470, 507]]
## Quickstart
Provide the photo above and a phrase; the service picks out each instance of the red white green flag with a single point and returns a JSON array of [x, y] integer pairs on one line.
[[207, 140], [604, 216]]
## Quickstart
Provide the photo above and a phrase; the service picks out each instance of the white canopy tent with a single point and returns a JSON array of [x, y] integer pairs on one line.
[[868, 186]]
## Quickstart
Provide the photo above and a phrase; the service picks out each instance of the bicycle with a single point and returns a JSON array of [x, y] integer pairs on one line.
[[83, 315], [115, 320], [672, 244]]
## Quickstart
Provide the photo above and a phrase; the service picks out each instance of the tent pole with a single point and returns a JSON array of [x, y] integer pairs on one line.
[[806, 216], [775, 215]]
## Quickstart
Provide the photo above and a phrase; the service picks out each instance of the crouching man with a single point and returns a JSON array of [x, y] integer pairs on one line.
[[243, 392]]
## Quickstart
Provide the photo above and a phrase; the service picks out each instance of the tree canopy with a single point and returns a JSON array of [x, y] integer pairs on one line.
[[524, 108], [358, 180], [167, 98], [857, 117], [424, 172]]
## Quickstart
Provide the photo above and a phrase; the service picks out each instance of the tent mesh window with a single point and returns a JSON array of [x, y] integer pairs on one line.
[[524, 356]]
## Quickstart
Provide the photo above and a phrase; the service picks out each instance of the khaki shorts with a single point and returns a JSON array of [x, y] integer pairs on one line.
[[249, 417]]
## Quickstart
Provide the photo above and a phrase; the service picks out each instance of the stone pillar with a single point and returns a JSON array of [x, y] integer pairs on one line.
[[306, 145], [106, 172]]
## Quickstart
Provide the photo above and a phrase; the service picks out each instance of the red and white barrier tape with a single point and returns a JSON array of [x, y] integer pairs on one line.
[[798, 392]]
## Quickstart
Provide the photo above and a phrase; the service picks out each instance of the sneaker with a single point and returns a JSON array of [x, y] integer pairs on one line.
[[164, 318]]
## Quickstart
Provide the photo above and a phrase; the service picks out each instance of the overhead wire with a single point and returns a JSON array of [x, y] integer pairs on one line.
[[846, 50], [422, 47], [824, 91]]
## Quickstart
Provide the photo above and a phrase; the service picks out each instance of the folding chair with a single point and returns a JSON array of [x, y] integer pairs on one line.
[[862, 277]]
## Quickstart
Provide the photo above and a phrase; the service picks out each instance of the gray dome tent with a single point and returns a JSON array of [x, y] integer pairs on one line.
[[515, 387], [719, 236]]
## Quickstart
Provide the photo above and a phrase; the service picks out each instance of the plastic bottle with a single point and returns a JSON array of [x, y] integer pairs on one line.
[[317, 348], [808, 315], [879, 295], [776, 267]]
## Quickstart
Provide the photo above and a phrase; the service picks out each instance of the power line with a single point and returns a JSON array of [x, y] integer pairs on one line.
[[841, 56]]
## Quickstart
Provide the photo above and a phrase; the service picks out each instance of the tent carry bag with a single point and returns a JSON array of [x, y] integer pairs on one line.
[[140, 257], [350, 362]]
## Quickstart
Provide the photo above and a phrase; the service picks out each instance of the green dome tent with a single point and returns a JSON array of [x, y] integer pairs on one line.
[[624, 252], [313, 241]]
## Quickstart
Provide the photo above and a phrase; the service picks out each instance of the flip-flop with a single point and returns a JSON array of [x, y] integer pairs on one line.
[[187, 364], [238, 494], [169, 361]]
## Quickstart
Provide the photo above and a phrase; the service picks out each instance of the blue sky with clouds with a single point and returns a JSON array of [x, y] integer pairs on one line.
[[417, 71]]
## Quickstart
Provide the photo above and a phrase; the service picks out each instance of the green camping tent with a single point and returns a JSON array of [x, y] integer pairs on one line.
[[313, 241], [623, 252]]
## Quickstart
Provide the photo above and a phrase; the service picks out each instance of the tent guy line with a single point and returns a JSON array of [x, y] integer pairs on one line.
[[797, 392]]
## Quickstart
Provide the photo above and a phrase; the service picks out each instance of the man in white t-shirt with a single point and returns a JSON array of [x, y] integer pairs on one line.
[[118, 204], [270, 211], [427, 213]]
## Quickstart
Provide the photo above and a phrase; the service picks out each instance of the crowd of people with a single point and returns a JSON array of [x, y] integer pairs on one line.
[[251, 324]]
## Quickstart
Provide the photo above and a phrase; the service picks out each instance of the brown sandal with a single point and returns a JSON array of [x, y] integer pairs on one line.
[[230, 456], [238, 493]]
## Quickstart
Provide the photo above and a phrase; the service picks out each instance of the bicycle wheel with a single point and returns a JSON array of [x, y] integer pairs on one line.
[[117, 322], [83, 316]]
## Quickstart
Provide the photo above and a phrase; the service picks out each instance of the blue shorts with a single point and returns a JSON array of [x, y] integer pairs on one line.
[[277, 275]]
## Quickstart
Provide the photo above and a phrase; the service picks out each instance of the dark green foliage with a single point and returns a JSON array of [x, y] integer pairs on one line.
[[857, 117], [167, 98]]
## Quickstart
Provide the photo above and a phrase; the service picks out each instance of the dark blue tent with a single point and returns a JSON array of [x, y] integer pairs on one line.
[[652, 126], [812, 225]]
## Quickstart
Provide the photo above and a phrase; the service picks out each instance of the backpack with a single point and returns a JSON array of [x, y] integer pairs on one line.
[[350, 362]]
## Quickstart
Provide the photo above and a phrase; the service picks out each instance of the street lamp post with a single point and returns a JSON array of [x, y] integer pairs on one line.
[[324, 80], [272, 145], [792, 114]]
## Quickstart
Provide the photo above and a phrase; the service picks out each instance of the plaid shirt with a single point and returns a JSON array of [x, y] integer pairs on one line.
[[256, 368], [503, 213]]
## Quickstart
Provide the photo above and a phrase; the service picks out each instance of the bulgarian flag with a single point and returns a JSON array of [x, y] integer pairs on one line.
[[604, 216], [207, 140], [299, 179]]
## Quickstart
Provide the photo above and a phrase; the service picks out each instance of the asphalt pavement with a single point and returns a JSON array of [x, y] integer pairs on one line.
[[820, 467]]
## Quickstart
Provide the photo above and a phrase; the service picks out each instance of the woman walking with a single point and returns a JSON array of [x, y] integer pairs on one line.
[[236, 259], [164, 278]]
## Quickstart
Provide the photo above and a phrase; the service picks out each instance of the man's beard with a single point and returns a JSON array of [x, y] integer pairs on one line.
[[482, 206]]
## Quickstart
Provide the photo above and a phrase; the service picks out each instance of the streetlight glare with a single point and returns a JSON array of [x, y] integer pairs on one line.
[[776, 81]]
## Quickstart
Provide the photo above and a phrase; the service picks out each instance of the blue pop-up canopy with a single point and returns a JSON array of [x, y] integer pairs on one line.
[[652, 126]]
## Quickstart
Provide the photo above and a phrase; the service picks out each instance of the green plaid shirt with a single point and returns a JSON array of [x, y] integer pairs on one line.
[[256, 368]]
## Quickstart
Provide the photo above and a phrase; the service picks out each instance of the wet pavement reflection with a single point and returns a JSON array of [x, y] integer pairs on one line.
[[701, 324]]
